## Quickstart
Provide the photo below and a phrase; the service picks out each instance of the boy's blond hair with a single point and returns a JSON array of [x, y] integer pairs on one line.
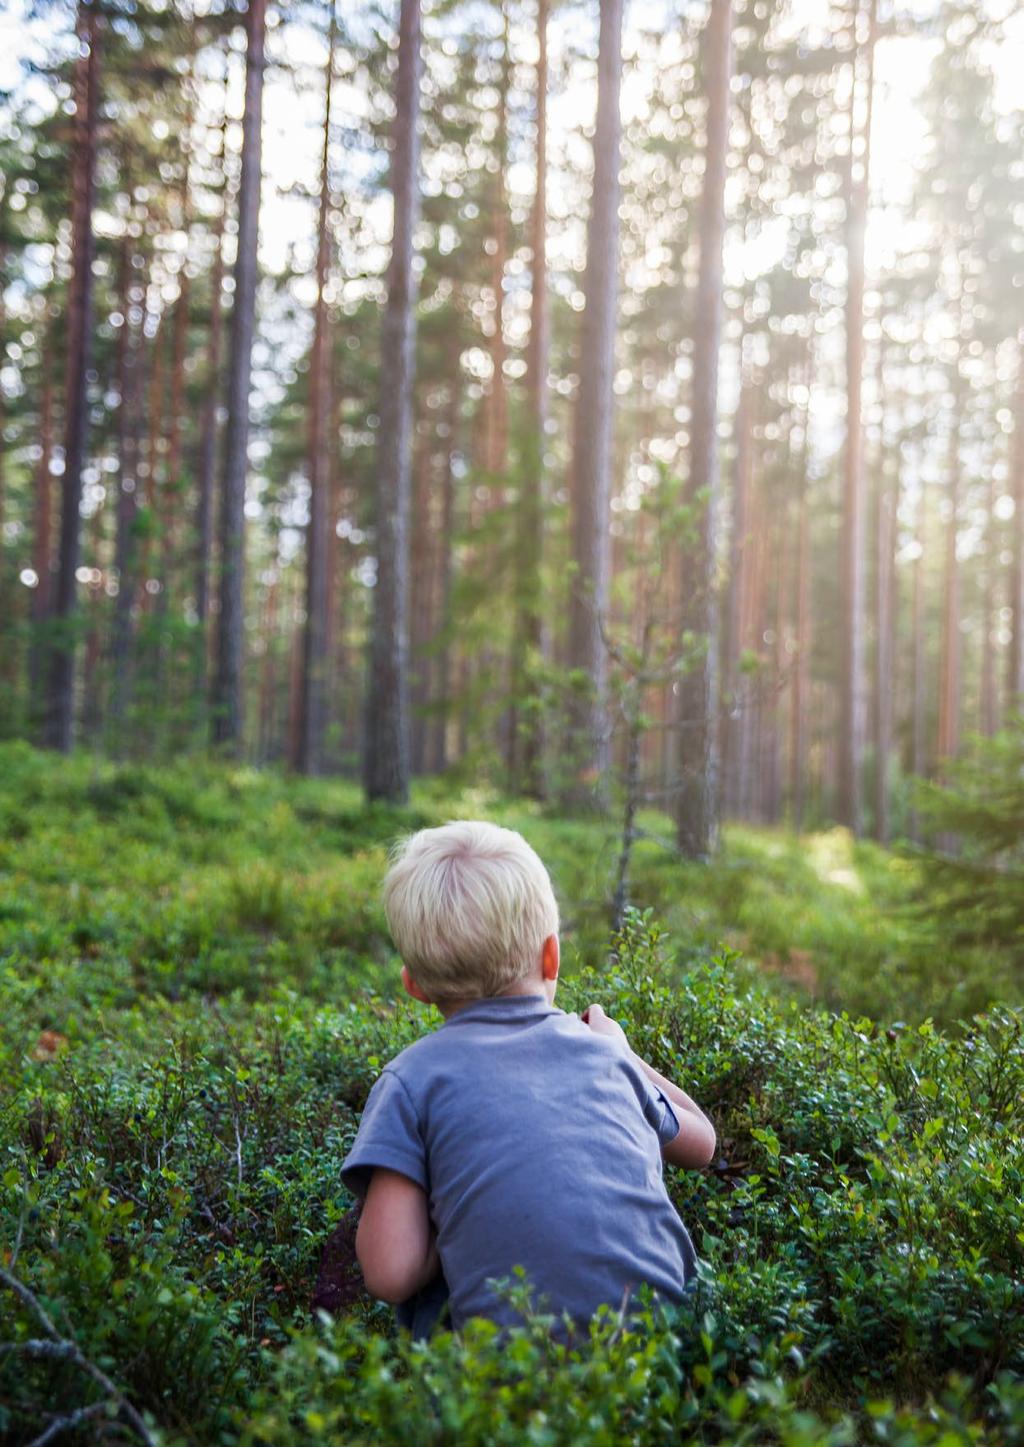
[[469, 906]]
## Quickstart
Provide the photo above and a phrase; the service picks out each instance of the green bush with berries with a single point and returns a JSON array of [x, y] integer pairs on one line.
[[174, 1107]]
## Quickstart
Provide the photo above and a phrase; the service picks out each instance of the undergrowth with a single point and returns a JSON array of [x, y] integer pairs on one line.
[[196, 1003]]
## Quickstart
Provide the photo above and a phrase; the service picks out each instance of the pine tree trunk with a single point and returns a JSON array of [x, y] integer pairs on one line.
[[8, 656], [1015, 661], [773, 773], [739, 572], [315, 655], [92, 680], [172, 486], [446, 578], [268, 671], [386, 747], [852, 686], [918, 747], [59, 732], [421, 580], [227, 701], [131, 386], [496, 451], [42, 539], [585, 751], [752, 631], [885, 607], [802, 660], [208, 435], [697, 807], [337, 573], [988, 710], [4, 192], [526, 730], [948, 741]]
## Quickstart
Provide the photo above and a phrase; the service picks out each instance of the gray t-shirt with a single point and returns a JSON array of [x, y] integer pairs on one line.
[[538, 1144]]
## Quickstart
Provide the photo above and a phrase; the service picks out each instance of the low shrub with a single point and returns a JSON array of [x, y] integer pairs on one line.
[[169, 1174]]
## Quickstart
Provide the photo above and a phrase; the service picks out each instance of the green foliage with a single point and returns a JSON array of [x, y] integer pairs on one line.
[[174, 1108], [976, 883]]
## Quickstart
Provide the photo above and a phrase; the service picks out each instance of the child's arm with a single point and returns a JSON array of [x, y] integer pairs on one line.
[[694, 1146], [395, 1242]]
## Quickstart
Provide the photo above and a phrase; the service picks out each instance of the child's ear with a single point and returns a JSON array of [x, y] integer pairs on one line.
[[411, 987], [549, 958]]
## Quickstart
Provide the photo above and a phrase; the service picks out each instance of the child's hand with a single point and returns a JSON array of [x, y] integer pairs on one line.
[[601, 1024]]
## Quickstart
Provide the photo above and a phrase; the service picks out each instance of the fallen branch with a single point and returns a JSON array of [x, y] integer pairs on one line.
[[59, 1346], [35, 1347], [67, 1422]]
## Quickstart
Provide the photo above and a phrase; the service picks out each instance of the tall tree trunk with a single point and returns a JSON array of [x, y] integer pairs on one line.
[[386, 751], [170, 492], [172, 486], [800, 667], [775, 744], [91, 717], [988, 707], [319, 535], [498, 406], [208, 435], [496, 410], [131, 386], [697, 806], [586, 753], [949, 678], [736, 596], [1015, 661], [526, 731], [421, 589], [227, 685], [340, 503], [885, 611], [446, 578], [42, 536], [268, 671], [8, 657], [802, 661], [918, 746], [61, 699], [852, 686], [754, 560], [4, 193]]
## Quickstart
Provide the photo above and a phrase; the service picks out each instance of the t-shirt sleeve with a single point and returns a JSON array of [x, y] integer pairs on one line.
[[658, 1110], [389, 1136]]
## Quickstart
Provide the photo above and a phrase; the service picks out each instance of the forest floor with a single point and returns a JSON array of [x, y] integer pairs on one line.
[[202, 876], [199, 991]]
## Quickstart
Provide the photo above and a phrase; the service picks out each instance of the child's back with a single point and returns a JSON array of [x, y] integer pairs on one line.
[[516, 1135], [538, 1144]]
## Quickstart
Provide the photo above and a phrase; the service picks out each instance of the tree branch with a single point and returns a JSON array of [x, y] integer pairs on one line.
[[59, 1346], [67, 1422]]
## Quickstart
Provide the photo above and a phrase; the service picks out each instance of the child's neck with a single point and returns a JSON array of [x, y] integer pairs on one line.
[[448, 1008]]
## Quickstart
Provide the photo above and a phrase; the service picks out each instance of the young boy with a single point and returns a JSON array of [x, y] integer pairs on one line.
[[516, 1134]]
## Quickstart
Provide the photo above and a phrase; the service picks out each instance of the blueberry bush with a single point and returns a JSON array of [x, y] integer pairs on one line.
[[196, 1003]]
